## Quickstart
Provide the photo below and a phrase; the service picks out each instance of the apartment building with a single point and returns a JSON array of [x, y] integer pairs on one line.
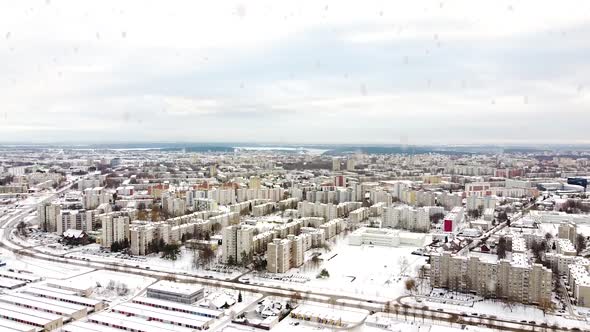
[[450, 201], [359, 215], [93, 197], [283, 254], [49, 214], [453, 219], [478, 202], [237, 239], [333, 227], [278, 256], [308, 209], [567, 230], [579, 283], [141, 235], [75, 219], [487, 276], [114, 229]]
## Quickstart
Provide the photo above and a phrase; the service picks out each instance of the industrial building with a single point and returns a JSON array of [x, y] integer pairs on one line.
[[175, 292]]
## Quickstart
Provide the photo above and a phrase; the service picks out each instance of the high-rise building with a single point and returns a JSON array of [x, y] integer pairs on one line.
[[350, 164], [237, 243], [114, 229], [336, 164], [515, 279], [49, 215]]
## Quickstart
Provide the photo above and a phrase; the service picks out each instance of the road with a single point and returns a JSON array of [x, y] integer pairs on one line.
[[332, 298]]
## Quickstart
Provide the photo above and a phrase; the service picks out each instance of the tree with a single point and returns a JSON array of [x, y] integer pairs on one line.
[[240, 297], [501, 249], [246, 258], [538, 248], [546, 306], [502, 216], [22, 228], [410, 285], [206, 255], [403, 265], [580, 243], [171, 251], [323, 274], [231, 260]]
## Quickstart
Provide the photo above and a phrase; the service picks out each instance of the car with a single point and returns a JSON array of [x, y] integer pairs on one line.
[[532, 322], [439, 310]]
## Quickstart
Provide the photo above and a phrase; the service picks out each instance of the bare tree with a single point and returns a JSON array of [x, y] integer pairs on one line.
[[502, 247], [580, 243], [403, 265], [410, 285]]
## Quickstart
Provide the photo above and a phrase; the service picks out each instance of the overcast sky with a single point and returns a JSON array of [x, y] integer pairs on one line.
[[417, 72]]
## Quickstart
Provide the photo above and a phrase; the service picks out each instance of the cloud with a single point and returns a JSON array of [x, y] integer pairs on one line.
[[294, 72]]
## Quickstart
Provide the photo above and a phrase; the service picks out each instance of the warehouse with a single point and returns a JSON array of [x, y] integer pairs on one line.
[[71, 286], [81, 310], [134, 324], [161, 315], [175, 292], [178, 307], [19, 276], [88, 327], [55, 290], [8, 283], [93, 305], [59, 308], [9, 325], [27, 316]]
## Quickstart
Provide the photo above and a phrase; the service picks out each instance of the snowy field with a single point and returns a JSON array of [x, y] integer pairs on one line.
[[41, 268], [106, 284], [360, 270], [515, 313], [183, 265]]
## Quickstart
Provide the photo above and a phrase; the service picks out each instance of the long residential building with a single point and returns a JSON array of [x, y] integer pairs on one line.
[[515, 279]]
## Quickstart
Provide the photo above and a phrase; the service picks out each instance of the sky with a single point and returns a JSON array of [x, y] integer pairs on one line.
[[295, 72]]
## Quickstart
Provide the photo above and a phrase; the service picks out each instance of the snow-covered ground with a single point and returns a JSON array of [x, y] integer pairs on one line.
[[360, 270], [41, 268], [517, 312], [183, 265], [107, 283]]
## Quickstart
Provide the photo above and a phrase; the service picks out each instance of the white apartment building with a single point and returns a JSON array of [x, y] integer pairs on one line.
[[517, 280], [359, 215], [449, 201], [308, 209], [114, 229], [565, 247], [263, 209], [350, 164], [479, 202], [283, 254], [75, 219], [278, 256], [49, 215], [453, 220], [579, 282], [237, 240], [425, 198], [93, 197], [333, 227]]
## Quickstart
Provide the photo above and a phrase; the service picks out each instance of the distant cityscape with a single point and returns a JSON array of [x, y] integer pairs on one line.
[[229, 236]]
